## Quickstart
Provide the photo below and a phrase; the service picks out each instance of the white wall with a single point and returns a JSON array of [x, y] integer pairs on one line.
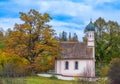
[[91, 43], [90, 37], [82, 66]]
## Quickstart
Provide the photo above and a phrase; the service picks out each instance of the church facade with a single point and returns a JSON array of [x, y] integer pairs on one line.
[[77, 58]]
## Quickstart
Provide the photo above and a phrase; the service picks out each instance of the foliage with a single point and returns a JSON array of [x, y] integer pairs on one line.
[[104, 71], [114, 72], [102, 81], [12, 64], [101, 71], [107, 35], [2, 45], [3, 59], [63, 36], [68, 38], [44, 64], [74, 38], [33, 39], [2, 37], [15, 66]]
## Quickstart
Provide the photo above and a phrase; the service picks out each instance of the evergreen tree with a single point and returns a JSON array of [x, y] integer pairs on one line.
[[69, 36], [63, 36]]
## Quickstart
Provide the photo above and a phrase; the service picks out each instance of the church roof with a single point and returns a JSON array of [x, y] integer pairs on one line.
[[73, 50], [90, 27]]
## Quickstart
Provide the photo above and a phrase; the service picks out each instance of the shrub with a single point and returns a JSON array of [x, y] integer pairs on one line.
[[114, 72], [104, 71], [12, 65]]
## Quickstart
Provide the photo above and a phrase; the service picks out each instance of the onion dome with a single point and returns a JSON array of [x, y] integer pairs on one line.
[[90, 27]]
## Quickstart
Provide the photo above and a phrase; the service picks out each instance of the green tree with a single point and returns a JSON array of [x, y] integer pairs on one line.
[[75, 38], [34, 38], [100, 25], [63, 36], [106, 40], [70, 38]]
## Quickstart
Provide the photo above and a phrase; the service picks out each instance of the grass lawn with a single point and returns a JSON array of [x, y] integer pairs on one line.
[[35, 80], [44, 80]]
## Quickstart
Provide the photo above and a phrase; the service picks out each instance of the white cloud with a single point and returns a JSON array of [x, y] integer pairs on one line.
[[78, 11], [98, 2], [64, 8], [82, 11], [6, 23], [60, 26]]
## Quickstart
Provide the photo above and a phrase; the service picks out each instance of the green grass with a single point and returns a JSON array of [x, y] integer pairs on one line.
[[44, 80], [35, 80]]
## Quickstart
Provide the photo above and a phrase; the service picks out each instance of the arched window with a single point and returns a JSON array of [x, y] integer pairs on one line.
[[76, 65], [90, 35], [66, 65]]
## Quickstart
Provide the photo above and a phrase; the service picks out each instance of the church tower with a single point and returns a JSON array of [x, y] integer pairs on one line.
[[89, 30]]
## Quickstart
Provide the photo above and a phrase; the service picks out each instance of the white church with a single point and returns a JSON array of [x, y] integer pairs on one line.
[[77, 58]]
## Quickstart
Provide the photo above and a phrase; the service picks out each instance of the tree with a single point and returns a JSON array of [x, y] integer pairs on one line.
[[2, 45], [75, 38], [114, 72], [107, 43], [107, 35], [8, 32], [69, 36], [63, 36], [100, 25], [34, 38], [11, 64]]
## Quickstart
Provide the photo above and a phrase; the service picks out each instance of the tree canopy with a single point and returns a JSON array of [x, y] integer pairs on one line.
[[34, 38], [107, 40], [68, 38]]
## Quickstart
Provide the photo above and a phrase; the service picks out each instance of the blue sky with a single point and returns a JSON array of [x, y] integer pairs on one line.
[[67, 15]]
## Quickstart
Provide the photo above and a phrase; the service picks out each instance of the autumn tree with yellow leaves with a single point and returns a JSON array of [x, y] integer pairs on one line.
[[33, 40]]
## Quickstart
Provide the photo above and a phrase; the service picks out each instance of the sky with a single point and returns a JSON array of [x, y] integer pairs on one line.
[[67, 15]]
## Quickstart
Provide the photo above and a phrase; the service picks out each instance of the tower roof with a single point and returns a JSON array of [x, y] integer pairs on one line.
[[90, 27]]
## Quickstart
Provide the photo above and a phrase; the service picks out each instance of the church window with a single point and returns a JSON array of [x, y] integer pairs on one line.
[[76, 65], [66, 65]]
